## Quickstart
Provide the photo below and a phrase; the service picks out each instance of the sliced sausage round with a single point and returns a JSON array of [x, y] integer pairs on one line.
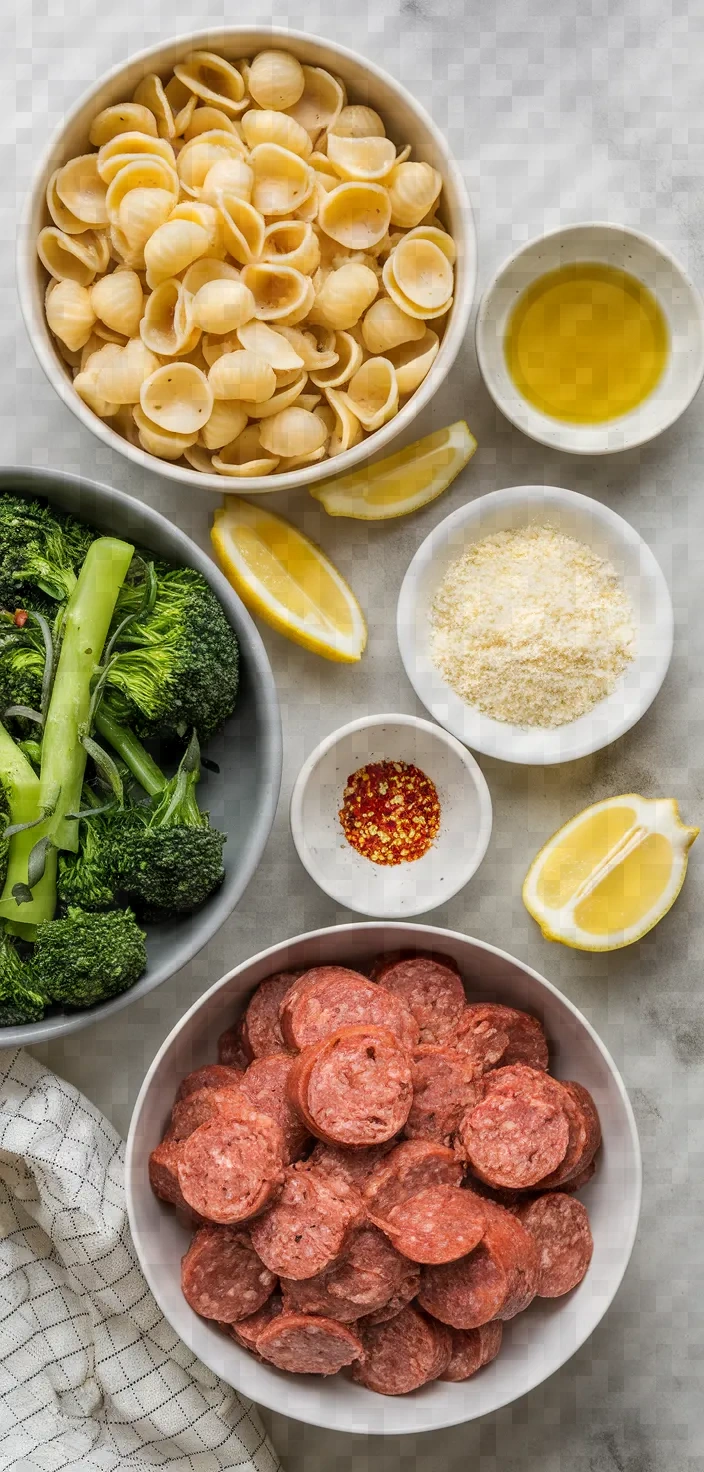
[[354, 1087], [309, 1225], [211, 1076], [406, 1291], [352, 1166], [584, 1138], [402, 1353], [431, 987], [306, 1345], [445, 1085], [247, 1331], [331, 997], [163, 1173], [222, 1277], [230, 1050], [193, 1110], [265, 1085], [497, 1280], [526, 1041], [439, 1224], [410, 1167], [364, 1280], [578, 1182], [261, 1028], [560, 1227], [518, 1133], [480, 1035], [473, 1348], [231, 1167]]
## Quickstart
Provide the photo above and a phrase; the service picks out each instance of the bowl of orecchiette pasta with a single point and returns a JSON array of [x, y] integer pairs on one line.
[[248, 260]]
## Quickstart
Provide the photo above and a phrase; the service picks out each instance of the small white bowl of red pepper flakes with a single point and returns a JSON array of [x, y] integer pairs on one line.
[[391, 816]]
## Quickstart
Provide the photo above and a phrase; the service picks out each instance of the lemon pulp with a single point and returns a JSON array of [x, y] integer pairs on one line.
[[586, 343]]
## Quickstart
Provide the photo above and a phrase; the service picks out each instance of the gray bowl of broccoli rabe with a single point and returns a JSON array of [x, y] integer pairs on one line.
[[140, 751]]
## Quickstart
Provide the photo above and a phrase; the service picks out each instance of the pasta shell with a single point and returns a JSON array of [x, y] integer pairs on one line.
[[320, 103], [404, 302], [86, 387], [207, 118], [177, 95], [278, 291], [126, 117], [315, 348], [70, 314], [183, 118], [62, 217], [243, 228], [256, 337], [226, 422], [122, 421], [66, 257], [242, 375], [172, 247], [205, 215], [413, 189], [345, 296], [294, 432], [213, 79], [385, 325], [356, 215], [359, 121], [372, 393], [245, 456], [168, 327], [130, 148], [263, 125], [282, 180], [82, 191], [120, 372], [215, 347], [413, 361], [276, 79], [282, 399], [118, 301], [347, 430], [177, 397], [292, 243], [150, 93], [349, 357], [208, 269], [196, 158], [326, 177], [423, 273], [308, 211], [124, 253], [361, 158], [222, 306], [158, 441], [96, 243], [439, 237], [198, 458], [141, 212], [228, 176], [93, 345], [150, 173], [308, 401], [108, 334]]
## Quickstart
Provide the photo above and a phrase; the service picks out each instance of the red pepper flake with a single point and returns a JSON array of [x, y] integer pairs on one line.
[[20, 618], [390, 812]]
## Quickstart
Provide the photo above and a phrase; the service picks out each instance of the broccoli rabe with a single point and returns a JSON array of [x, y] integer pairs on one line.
[[82, 959], [39, 548], [91, 877], [20, 999]]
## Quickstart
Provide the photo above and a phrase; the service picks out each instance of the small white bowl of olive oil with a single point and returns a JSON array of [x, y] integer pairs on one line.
[[591, 339]]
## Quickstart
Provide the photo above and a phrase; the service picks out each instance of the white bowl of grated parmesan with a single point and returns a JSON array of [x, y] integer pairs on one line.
[[535, 625]]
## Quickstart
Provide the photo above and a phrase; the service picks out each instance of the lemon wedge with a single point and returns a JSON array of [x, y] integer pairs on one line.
[[608, 876], [404, 481], [288, 581]]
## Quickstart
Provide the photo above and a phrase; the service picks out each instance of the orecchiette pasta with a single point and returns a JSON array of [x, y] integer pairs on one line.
[[242, 266]]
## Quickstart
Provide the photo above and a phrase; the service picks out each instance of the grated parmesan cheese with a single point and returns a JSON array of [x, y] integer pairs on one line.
[[532, 627]]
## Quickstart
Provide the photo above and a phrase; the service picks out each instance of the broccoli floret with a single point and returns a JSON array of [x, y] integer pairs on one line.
[[177, 668], [20, 999], [84, 958], [39, 548], [90, 878]]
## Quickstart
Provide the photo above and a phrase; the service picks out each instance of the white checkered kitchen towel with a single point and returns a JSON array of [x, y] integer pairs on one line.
[[91, 1375]]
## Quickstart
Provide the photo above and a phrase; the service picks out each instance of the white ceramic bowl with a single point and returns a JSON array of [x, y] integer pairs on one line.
[[609, 536], [535, 1344], [406, 121], [395, 891], [650, 263]]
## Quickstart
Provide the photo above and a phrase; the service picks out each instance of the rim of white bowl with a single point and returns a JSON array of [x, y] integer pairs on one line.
[[444, 738], [560, 436], [497, 743], [31, 298], [426, 932]]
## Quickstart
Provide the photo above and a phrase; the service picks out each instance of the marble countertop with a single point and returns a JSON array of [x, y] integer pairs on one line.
[[557, 112]]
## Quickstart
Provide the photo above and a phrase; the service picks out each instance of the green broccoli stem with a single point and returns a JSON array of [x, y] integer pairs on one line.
[[86, 623], [142, 766], [21, 785]]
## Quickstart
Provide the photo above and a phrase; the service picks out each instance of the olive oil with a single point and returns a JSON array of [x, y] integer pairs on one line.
[[586, 343]]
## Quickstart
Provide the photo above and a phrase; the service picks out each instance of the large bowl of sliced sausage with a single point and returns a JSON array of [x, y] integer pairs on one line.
[[384, 1178]]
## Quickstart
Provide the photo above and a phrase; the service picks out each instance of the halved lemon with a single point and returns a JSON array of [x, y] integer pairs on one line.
[[288, 581], [608, 876], [404, 481]]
